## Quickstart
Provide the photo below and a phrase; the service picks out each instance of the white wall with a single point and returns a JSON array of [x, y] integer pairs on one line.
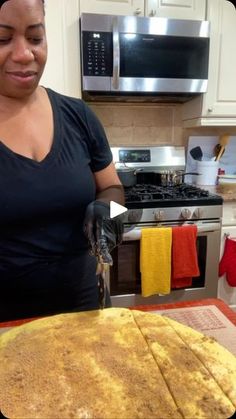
[[62, 72]]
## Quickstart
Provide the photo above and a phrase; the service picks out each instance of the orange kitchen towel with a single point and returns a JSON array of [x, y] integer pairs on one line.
[[155, 260], [184, 256]]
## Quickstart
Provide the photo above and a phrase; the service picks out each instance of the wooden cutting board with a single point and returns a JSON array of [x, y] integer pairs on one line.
[[114, 363]]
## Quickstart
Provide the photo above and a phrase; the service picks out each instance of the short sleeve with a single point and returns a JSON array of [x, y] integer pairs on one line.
[[100, 152]]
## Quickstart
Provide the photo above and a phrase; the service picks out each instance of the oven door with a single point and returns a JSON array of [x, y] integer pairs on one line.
[[125, 278]]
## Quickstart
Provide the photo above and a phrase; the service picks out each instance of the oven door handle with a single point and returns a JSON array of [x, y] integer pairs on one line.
[[135, 233]]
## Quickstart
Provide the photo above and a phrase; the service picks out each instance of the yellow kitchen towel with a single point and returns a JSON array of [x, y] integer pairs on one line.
[[155, 260]]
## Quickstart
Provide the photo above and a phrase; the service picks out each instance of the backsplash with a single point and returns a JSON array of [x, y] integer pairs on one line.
[[148, 124], [127, 124]]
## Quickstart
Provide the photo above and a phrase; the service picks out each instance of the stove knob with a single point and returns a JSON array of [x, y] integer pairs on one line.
[[159, 215], [134, 216], [186, 213], [197, 213]]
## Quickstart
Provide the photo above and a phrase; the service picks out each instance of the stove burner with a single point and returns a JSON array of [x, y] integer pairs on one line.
[[149, 195], [144, 192]]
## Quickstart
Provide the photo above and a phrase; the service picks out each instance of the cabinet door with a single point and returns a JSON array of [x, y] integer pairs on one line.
[[62, 71], [177, 9], [221, 97], [218, 105], [113, 7]]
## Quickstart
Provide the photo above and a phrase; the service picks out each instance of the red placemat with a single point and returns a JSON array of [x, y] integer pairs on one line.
[[226, 310], [14, 323]]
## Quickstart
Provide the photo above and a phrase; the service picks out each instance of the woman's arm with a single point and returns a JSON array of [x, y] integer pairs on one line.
[[109, 187], [106, 177]]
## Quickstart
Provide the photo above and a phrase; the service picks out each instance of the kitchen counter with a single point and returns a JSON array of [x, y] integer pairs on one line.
[[227, 196]]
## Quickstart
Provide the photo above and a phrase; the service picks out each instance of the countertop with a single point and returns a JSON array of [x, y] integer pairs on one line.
[[227, 196]]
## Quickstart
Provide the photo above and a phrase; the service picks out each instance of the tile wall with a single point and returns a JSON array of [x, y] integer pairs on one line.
[[148, 124]]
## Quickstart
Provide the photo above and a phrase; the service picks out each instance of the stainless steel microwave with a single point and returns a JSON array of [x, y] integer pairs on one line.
[[143, 58]]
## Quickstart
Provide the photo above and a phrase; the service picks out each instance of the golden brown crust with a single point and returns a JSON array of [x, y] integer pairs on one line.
[[220, 363], [112, 363], [191, 384]]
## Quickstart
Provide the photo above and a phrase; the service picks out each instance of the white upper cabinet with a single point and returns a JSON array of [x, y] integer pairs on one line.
[[62, 71], [177, 9], [217, 106], [113, 7]]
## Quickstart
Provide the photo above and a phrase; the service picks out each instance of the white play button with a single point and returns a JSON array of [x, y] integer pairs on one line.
[[116, 209]]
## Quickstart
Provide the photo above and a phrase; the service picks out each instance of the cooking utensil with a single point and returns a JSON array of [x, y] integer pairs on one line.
[[174, 177], [179, 177], [217, 150], [224, 139], [163, 177], [127, 175], [196, 153]]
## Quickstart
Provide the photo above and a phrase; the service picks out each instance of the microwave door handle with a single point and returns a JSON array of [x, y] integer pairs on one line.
[[116, 54]]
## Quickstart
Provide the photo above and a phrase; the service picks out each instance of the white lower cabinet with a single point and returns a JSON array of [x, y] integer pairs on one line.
[[217, 107], [225, 291]]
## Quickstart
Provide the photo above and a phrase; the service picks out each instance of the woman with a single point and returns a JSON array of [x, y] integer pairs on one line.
[[56, 181]]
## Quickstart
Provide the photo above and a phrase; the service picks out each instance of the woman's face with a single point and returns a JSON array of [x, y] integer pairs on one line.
[[23, 47]]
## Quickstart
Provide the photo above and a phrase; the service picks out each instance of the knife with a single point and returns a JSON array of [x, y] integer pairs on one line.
[[101, 271]]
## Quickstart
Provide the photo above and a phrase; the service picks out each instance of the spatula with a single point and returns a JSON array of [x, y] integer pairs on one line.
[[196, 153], [217, 150], [224, 139]]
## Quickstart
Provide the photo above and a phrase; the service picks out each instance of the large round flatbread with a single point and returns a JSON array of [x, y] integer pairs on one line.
[[114, 363]]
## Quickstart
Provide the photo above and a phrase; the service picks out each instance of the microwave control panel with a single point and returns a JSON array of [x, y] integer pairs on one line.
[[97, 53]]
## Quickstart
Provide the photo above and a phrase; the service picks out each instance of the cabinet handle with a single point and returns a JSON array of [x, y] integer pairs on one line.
[[210, 109], [153, 13], [137, 11]]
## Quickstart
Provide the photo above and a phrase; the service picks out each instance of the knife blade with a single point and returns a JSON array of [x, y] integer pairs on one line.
[[101, 271]]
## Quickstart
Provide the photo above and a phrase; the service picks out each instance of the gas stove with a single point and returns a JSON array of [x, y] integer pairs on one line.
[[150, 202], [146, 196], [157, 201]]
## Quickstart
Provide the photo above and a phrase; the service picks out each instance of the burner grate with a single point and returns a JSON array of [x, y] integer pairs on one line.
[[150, 192]]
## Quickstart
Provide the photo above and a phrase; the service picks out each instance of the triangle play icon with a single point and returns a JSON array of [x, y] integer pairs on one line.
[[116, 209]]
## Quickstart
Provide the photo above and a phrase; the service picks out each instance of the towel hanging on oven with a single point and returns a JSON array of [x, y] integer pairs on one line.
[[155, 260], [228, 262], [184, 256]]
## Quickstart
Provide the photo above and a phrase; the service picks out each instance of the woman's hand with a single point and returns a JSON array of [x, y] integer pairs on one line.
[[103, 233]]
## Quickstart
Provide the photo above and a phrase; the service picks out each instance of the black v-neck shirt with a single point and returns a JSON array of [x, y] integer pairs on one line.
[[42, 204]]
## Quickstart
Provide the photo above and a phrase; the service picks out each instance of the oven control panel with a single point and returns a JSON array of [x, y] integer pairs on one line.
[[134, 156], [150, 158]]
